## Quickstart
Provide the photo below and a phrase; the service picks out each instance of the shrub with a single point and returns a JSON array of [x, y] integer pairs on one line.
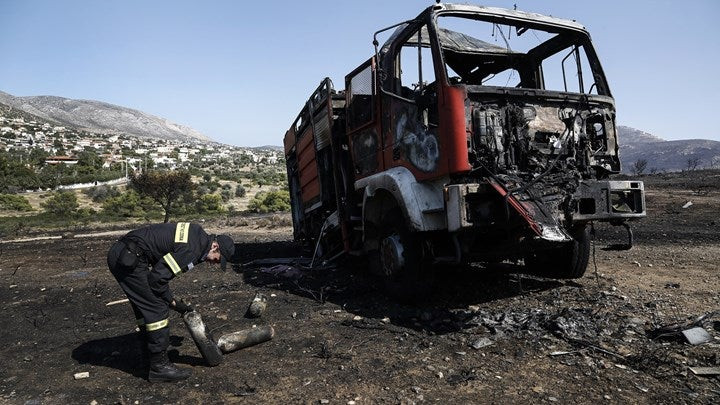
[[212, 186], [128, 204], [101, 193], [14, 203], [209, 203], [61, 203], [272, 201], [226, 195], [202, 190], [240, 191]]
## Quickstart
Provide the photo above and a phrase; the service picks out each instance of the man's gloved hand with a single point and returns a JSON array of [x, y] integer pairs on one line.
[[181, 307]]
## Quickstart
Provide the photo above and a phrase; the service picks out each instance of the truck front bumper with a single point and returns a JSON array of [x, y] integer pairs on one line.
[[594, 200], [609, 200]]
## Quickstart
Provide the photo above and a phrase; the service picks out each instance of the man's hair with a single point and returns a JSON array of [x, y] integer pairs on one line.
[[227, 246]]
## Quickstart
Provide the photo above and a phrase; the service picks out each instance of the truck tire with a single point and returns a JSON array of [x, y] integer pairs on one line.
[[566, 262], [401, 261]]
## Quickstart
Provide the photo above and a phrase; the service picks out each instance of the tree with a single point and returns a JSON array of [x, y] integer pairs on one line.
[[639, 166], [272, 201], [37, 157], [163, 187], [59, 147], [62, 203], [89, 160], [209, 203]]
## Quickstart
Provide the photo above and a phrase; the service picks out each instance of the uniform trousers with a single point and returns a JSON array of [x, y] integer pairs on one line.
[[151, 311]]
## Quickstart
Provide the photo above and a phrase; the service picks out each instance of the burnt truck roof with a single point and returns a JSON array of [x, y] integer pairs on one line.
[[491, 14], [494, 13]]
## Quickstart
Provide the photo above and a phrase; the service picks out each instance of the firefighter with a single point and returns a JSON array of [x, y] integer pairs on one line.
[[142, 262]]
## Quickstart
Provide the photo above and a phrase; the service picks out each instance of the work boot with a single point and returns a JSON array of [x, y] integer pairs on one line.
[[162, 370]]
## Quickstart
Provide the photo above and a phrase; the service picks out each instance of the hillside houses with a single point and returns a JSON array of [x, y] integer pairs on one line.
[[65, 144]]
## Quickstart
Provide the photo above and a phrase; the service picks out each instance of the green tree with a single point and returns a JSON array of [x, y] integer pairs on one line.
[[209, 203], [272, 201], [89, 160], [15, 175], [61, 203], [37, 157], [58, 145], [163, 187], [51, 175]]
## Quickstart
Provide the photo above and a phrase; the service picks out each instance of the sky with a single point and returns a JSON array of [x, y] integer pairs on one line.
[[239, 71]]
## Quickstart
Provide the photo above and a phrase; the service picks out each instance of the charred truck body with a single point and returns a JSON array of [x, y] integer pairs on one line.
[[444, 147]]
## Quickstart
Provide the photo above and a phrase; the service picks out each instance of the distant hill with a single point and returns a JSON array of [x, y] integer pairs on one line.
[[665, 155], [97, 116], [12, 112], [629, 135]]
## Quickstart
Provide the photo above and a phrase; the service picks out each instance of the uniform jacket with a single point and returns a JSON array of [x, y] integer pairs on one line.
[[171, 249]]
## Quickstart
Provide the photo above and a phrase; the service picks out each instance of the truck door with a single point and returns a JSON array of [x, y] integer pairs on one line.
[[362, 124], [410, 105]]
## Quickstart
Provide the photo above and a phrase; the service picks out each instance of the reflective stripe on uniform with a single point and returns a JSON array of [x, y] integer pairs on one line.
[[156, 325], [181, 232], [170, 260], [140, 321]]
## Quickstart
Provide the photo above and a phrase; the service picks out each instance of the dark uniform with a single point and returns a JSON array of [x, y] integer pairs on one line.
[[170, 249]]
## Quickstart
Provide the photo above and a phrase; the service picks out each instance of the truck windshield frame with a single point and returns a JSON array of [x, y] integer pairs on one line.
[[480, 50]]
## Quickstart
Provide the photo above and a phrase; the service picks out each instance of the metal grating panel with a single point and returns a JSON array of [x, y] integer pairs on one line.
[[322, 130], [361, 83]]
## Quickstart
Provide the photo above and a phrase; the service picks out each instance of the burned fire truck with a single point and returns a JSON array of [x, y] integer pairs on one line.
[[473, 134]]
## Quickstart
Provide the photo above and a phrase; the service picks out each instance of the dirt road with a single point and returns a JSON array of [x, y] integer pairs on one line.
[[487, 335]]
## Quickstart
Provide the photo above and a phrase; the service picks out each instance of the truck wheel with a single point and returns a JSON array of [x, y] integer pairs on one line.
[[401, 261], [568, 261]]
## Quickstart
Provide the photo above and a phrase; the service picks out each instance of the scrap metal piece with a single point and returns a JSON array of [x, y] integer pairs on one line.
[[480, 343], [117, 302], [203, 339], [696, 336], [705, 371], [257, 306], [80, 376], [245, 338], [560, 353]]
